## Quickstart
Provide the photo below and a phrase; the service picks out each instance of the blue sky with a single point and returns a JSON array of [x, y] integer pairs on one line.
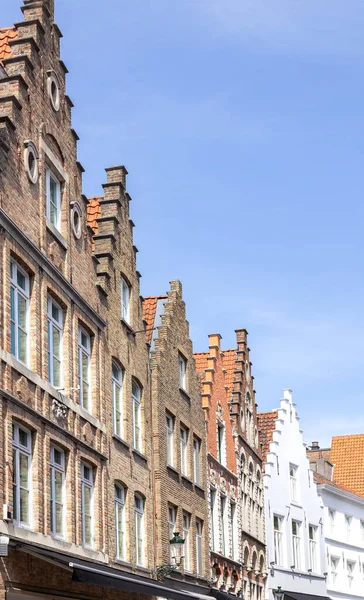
[[241, 124]]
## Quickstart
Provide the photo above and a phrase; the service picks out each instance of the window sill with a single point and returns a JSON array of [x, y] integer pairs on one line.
[[199, 487], [185, 394], [296, 504], [124, 563], [121, 441], [186, 478], [172, 468], [127, 326], [143, 569], [140, 454], [56, 234]]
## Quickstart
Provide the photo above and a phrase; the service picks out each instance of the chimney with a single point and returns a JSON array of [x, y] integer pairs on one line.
[[315, 446]]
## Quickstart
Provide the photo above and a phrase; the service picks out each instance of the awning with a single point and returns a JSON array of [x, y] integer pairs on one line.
[[299, 596], [99, 574]]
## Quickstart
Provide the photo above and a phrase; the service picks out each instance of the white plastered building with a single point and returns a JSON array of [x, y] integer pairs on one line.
[[294, 513]]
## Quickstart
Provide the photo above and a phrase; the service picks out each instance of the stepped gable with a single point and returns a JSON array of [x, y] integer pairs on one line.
[[266, 426], [108, 219], [6, 34], [347, 456], [149, 311]]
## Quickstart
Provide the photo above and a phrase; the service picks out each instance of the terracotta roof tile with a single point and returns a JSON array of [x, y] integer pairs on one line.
[[149, 310], [201, 361], [266, 426], [347, 456], [320, 479], [6, 34], [228, 361], [93, 212]]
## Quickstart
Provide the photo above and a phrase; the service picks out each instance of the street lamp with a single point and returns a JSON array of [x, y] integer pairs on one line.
[[278, 593], [176, 545]]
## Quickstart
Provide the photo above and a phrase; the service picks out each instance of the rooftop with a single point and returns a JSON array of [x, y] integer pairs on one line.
[[6, 34], [347, 456]]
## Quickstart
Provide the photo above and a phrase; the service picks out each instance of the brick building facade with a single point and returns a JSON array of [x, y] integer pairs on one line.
[[76, 462], [237, 536], [179, 435]]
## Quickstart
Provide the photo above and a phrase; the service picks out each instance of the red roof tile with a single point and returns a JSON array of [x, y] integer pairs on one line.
[[201, 361], [6, 34], [266, 426], [228, 361], [149, 310], [347, 456], [320, 479], [93, 212]]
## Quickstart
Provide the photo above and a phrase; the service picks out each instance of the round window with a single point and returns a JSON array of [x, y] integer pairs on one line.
[[53, 90], [76, 220], [31, 162]]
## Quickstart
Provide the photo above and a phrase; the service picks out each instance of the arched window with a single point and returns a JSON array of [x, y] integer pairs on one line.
[[119, 495], [117, 399], [137, 416], [139, 529]]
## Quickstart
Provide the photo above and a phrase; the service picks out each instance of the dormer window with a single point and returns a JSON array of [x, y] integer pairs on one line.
[[125, 300], [53, 198]]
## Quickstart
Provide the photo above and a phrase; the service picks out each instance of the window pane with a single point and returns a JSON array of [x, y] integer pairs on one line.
[[59, 487], [21, 280], [55, 313], [59, 519], [23, 470], [22, 346], [24, 506], [23, 437]]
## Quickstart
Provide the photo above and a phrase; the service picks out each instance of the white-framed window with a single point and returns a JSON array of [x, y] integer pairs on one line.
[[296, 543], [139, 529], [197, 460], [348, 520], [350, 569], [22, 464], [19, 312], [186, 536], [125, 300], [120, 521], [233, 530], [57, 491], [221, 454], [278, 540], [87, 492], [117, 399], [55, 332], [212, 518], [172, 517], [223, 524], [199, 560], [184, 450], [53, 198], [332, 517], [334, 563], [293, 482], [137, 416], [182, 367], [170, 439], [312, 537], [84, 368]]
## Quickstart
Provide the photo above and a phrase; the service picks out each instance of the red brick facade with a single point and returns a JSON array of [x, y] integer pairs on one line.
[[235, 468]]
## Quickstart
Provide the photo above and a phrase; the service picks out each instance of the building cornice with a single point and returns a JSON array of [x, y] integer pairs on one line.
[[340, 492]]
